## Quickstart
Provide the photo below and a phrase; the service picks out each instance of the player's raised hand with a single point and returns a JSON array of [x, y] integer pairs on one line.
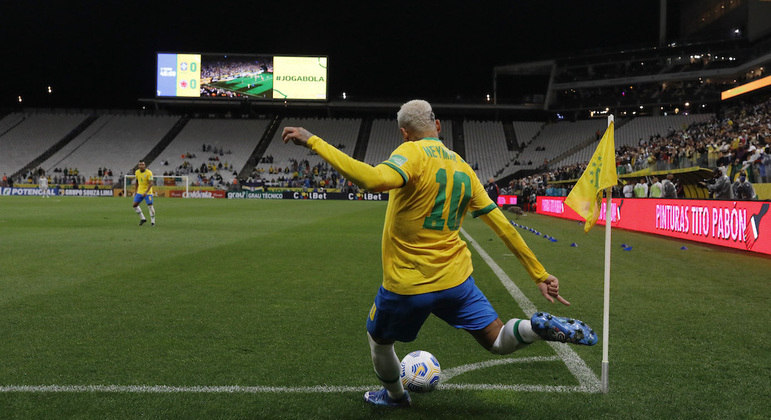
[[550, 289], [297, 135]]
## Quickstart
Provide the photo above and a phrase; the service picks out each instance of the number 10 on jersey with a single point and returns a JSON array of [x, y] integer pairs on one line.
[[459, 199]]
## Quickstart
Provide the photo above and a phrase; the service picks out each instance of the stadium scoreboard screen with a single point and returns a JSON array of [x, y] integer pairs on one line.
[[241, 76]]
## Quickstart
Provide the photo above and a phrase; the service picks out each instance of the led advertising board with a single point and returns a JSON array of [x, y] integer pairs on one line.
[[744, 225]]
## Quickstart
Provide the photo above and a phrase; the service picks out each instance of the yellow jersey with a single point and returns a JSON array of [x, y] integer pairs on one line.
[[431, 189], [422, 248], [144, 180]]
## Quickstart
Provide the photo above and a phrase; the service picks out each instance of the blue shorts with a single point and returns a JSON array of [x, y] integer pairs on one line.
[[148, 199], [399, 317]]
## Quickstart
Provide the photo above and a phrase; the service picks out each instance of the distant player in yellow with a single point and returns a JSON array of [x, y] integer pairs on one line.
[[426, 266], [144, 191]]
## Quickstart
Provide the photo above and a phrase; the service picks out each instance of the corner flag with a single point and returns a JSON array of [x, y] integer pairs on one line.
[[586, 196]]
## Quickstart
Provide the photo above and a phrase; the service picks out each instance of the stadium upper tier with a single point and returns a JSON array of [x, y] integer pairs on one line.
[[25, 136], [629, 79]]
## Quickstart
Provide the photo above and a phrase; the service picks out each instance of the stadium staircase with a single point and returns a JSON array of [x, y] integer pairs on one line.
[[262, 146], [24, 117], [458, 140], [511, 136], [166, 140], [362, 139], [57, 146]]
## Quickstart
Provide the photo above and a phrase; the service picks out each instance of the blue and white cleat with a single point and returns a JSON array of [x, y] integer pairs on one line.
[[381, 398], [565, 330]]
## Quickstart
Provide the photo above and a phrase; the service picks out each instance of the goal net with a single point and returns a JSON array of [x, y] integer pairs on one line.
[[161, 184]]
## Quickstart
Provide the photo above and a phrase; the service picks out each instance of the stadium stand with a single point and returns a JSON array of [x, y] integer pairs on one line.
[[527, 131], [669, 78], [736, 142], [486, 149], [10, 121], [207, 144], [642, 128], [116, 142], [638, 131], [25, 136], [341, 133], [558, 138], [384, 138]]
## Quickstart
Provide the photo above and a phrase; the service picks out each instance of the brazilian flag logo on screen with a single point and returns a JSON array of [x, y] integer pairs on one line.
[[188, 75]]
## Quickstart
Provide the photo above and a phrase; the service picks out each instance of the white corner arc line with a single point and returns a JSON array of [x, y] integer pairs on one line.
[[586, 378], [519, 388], [459, 370]]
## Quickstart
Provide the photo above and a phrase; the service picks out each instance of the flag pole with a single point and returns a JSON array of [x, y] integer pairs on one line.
[[606, 303]]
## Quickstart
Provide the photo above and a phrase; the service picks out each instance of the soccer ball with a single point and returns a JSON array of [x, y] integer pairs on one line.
[[420, 371]]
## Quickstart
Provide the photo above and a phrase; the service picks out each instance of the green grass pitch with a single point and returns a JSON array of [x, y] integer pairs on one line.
[[274, 294], [257, 85]]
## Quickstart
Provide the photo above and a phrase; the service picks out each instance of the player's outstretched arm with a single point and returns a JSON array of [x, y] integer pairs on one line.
[[377, 178], [547, 283]]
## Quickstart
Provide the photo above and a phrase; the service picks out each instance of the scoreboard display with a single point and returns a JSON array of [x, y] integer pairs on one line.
[[241, 76]]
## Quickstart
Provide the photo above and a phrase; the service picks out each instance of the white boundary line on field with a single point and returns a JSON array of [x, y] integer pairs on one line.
[[234, 389], [588, 381], [586, 378]]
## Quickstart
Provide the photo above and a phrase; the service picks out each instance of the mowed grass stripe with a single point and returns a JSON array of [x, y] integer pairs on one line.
[[240, 299], [51, 245], [685, 325]]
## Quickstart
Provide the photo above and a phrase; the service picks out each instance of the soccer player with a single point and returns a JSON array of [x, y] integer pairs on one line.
[[43, 184], [144, 191], [426, 266]]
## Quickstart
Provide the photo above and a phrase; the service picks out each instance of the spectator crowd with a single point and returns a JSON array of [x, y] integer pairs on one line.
[[736, 144]]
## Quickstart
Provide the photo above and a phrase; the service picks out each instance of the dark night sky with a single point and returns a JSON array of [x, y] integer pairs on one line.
[[102, 53]]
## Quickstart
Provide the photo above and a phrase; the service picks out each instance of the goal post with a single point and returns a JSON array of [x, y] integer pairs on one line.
[[160, 181]]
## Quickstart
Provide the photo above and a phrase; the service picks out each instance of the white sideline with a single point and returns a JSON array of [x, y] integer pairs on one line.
[[234, 389], [588, 381], [586, 378]]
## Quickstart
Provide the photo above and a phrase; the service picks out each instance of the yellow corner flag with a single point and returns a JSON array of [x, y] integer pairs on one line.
[[586, 196]]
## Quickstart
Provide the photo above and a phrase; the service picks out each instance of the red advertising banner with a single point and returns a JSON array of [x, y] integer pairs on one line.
[[507, 200], [735, 224]]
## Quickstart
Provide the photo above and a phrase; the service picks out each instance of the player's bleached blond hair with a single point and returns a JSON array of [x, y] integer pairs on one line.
[[416, 116]]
